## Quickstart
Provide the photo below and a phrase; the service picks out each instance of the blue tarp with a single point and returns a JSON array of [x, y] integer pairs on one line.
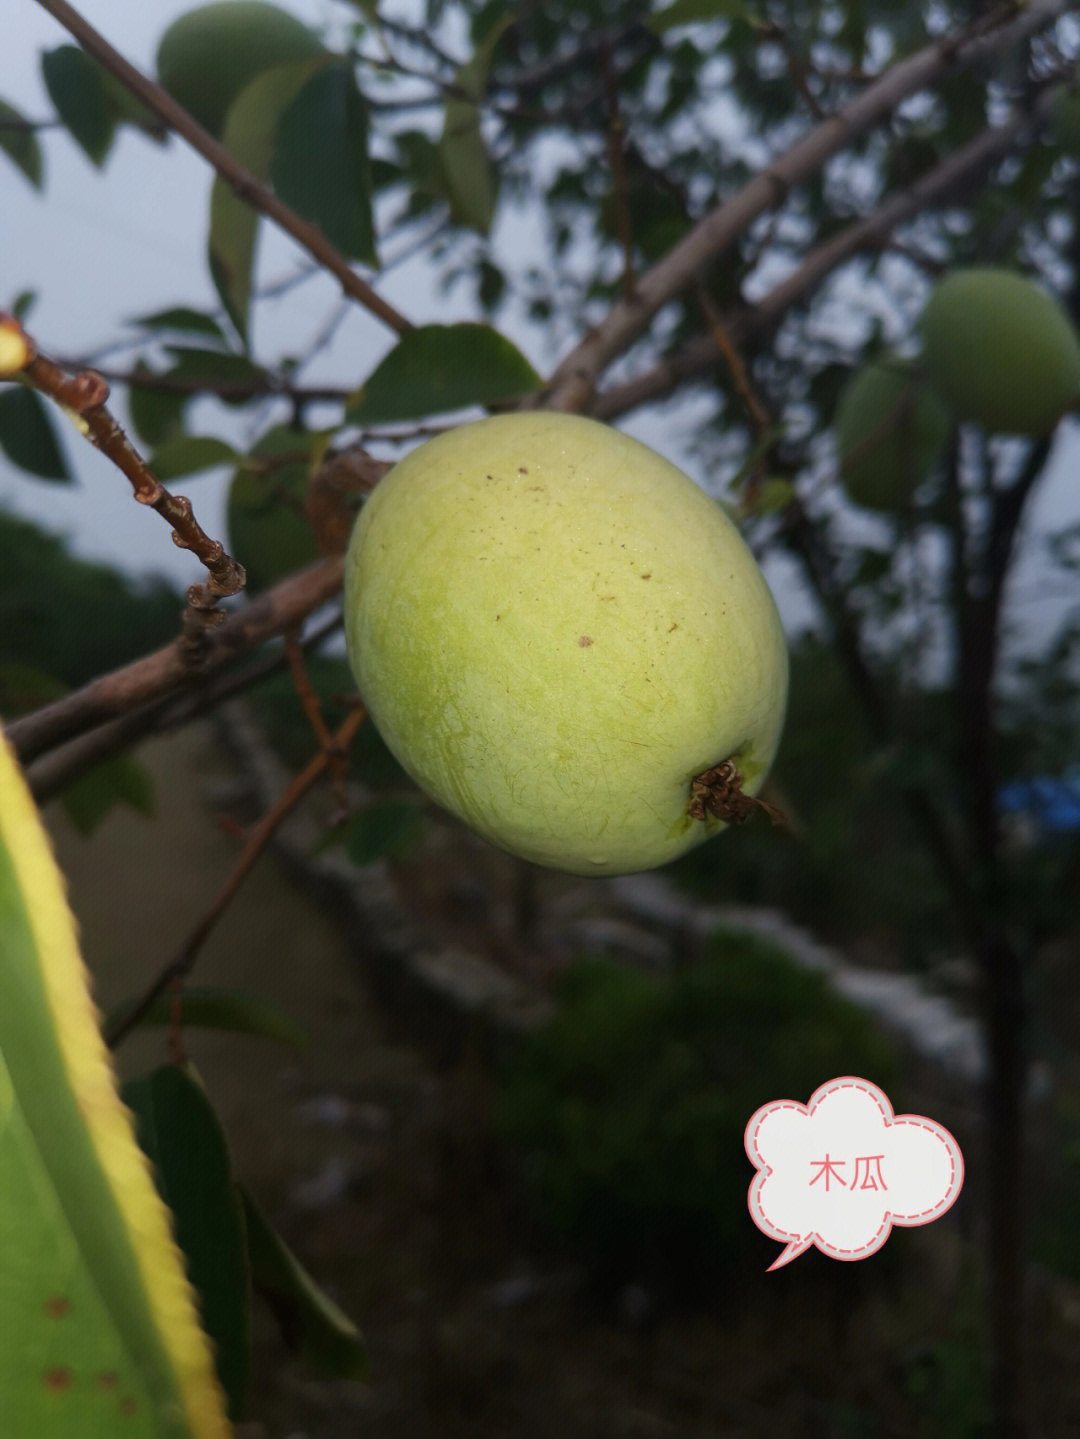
[[1052, 804]]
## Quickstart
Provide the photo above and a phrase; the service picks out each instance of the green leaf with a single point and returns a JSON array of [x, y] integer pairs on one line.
[[250, 127], [202, 1007], [471, 180], [183, 319], [435, 369], [117, 779], [180, 1134], [28, 437], [267, 524], [328, 1338], [128, 109], [100, 1330], [187, 454], [320, 164], [387, 827], [218, 372], [75, 87], [20, 144], [156, 415], [23, 303], [696, 12]]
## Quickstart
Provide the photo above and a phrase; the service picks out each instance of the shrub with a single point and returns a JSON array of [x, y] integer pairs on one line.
[[631, 1105]]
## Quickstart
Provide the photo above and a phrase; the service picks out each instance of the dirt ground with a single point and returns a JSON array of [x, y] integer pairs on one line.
[[374, 1163]]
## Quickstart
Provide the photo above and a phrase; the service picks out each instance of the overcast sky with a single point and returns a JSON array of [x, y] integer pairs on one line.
[[101, 246]]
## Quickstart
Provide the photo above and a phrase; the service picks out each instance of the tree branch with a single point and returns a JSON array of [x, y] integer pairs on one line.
[[165, 671], [249, 189], [573, 383], [53, 771], [948, 181]]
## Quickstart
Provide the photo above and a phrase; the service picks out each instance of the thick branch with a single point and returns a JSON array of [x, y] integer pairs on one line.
[[235, 175], [165, 671], [947, 182], [572, 385], [53, 771]]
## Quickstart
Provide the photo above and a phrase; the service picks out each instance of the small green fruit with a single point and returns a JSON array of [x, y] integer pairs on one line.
[[1001, 350], [268, 531], [207, 56], [555, 631], [890, 433]]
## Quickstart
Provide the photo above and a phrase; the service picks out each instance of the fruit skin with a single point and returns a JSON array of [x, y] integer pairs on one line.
[[207, 56], [1001, 350], [555, 631], [890, 433]]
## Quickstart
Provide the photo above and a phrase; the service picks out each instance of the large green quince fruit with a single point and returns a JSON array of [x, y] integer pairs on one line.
[[561, 638], [891, 431], [207, 56], [1001, 350]]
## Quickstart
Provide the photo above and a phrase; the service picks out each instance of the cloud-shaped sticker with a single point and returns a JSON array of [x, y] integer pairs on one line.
[[840, 1171]]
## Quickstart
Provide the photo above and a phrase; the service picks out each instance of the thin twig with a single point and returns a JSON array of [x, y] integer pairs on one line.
[[616, 147], [241, 180], [84, 395], [310, 704], [173, 974]]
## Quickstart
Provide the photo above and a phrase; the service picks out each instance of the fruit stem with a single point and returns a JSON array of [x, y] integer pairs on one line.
[[718, 792]]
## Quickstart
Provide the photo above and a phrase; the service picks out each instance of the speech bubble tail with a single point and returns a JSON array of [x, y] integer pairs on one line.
[[791, 1251]]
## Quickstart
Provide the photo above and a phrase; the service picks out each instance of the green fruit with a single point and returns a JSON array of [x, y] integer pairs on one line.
[[207, 56], [1001, 350], [891, 431], [556, 632], [268, 531]]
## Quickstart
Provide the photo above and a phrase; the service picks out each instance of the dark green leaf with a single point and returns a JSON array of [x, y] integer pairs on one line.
[[694, 12], [436, 369], [156, 414], [233, 378], [389, 827], [187, 454], [320, 164], [27, 434], [23, 303], [118, 779], [265, 509], [228, 1010], [76, 89], [128, 109], [183, 319], [180, 1133], [328, 1338], [20, 144]]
